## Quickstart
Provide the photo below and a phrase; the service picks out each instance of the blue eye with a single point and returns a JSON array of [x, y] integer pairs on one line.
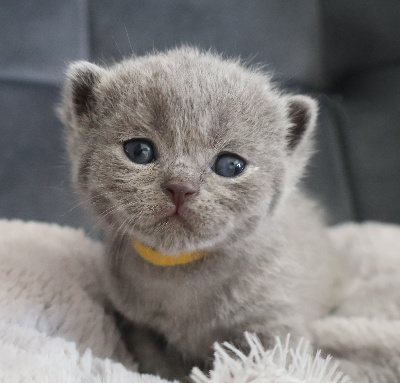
[[139, 151], [228, 165]]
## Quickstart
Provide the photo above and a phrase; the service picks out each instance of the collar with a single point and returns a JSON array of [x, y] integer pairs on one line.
[[159, 259]]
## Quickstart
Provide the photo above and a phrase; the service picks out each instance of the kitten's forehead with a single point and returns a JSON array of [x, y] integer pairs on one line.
[[194, 100]]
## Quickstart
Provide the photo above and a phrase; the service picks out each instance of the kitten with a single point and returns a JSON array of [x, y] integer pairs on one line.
[[184, 152]]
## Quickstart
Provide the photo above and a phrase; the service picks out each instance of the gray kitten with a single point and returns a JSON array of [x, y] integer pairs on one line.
[[184, 152]]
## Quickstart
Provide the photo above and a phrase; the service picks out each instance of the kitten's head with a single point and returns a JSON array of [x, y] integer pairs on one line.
[[183, 150]]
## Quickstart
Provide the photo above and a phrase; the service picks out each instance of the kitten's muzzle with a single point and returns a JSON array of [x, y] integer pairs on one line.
[[179, 191]]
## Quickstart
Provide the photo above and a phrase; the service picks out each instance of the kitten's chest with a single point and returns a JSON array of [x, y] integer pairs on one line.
[[169, 300], [195, 308], [187, 310]]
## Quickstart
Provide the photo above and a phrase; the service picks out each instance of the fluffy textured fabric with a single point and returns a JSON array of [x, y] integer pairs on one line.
[[55, 326]]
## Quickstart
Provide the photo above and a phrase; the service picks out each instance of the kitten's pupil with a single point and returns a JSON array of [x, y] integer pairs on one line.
[[139, 151], [228, 165]]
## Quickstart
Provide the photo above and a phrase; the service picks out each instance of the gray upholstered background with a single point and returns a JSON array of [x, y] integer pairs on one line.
[[346, 53]]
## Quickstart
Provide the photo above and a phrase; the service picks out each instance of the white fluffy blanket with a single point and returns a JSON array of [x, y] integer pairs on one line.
[[55, 326]]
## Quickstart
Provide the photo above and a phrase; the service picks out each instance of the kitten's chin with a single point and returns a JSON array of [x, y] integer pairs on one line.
[[173, 235], [173, 231]]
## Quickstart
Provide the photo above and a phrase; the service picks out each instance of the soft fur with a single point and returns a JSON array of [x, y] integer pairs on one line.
[[270, 269], [55, 325]]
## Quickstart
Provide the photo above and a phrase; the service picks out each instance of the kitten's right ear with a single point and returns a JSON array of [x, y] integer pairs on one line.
[[82, 77]]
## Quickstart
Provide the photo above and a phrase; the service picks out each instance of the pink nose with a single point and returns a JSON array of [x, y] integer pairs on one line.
[[179, 190]]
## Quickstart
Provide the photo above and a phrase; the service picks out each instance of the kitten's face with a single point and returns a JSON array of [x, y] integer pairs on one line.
[[181, 151]]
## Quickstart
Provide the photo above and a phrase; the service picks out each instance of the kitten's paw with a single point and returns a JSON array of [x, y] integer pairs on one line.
[[152, 353]]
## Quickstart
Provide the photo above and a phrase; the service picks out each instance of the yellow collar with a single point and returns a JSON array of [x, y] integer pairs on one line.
[[159, 259]]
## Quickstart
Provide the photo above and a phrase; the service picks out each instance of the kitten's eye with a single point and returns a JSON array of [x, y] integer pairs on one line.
[[139, 150], [228, 165]]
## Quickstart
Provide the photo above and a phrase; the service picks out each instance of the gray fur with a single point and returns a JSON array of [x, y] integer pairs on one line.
[[270, 268]]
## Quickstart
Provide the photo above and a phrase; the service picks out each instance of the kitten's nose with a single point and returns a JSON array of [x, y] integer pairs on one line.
[[179, 190]]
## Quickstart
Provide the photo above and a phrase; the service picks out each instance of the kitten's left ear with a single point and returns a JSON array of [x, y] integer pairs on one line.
[[302, 113]]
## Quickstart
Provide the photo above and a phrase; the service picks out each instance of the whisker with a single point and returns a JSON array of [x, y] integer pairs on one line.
[[129, 40], [115, 41]]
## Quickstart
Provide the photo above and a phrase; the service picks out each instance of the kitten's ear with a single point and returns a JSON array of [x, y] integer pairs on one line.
[[302, 112], [79, 98]]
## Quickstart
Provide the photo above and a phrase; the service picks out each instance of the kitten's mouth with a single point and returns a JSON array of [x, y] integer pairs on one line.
[[173, 216], [178, 215]]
